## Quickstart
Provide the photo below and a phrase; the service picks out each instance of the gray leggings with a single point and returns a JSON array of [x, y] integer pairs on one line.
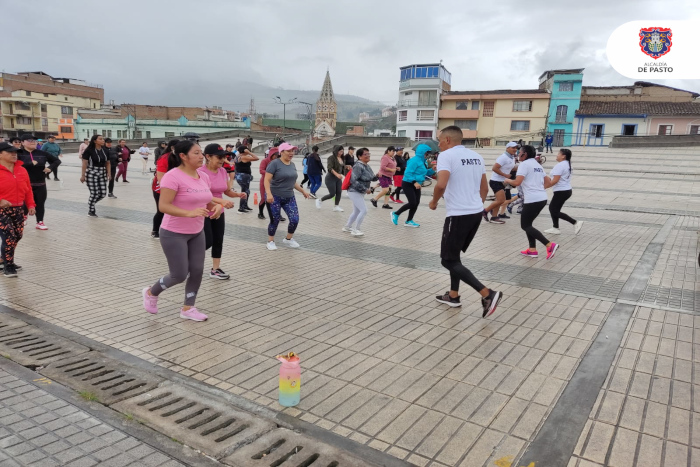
[[335, 188], [185, 255]]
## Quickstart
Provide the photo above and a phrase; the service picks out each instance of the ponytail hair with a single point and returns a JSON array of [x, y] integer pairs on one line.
[[567, 154], [182, 147]]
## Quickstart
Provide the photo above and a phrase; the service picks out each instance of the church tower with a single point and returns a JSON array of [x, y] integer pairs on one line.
[[326, 110]]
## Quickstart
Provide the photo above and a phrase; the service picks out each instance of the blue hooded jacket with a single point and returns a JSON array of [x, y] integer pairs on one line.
[[415, 168]]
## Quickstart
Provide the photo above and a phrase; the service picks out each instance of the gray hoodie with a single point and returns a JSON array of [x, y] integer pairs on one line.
[[361, 177]]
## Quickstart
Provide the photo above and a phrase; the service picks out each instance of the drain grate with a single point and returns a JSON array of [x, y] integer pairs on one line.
[[108, 379], [8, 322], [196, 419], [286, 448], [30, 347]]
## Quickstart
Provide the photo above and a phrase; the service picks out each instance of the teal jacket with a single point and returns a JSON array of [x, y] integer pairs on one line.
[[52, 148], [416, 170]]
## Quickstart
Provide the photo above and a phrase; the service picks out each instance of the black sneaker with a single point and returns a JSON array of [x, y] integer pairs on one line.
[[485, 215], [449, 301], [92, 214], [503, 216], [386, 206], [17, 266], [218, 274], [56, 179], [155, 235], [374, 202], [262, 216], [9, 271], [111, 196], [283, 219], [496, 220], [248, 209], [490, 303]]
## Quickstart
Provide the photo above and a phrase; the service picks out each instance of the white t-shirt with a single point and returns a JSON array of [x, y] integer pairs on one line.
[[507, 162], [533, 185], [144, 152], [563, 169], [463, 192]]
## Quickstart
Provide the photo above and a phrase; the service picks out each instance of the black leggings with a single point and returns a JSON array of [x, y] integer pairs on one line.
[[335, 188], [528, 216], [40, 195], [459, 272], [306, 179], [397, 192], [413, 197], [158, 217], [214, 235], [113, 172], [555, 206]]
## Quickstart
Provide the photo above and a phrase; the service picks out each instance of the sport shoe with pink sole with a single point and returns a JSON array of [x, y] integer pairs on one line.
[[553, 247], [193, 314], [529, 253], [150, 302]]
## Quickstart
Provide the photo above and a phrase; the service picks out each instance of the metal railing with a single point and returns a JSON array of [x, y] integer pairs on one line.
[[418, 103]]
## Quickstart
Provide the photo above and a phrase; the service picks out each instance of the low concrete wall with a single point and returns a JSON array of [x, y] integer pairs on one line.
[[667, 141], [364, 141]]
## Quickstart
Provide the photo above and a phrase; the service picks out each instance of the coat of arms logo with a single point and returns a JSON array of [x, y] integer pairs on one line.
[[655, 42]]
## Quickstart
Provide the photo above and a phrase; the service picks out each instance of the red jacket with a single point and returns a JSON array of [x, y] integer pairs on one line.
[[15, 187]]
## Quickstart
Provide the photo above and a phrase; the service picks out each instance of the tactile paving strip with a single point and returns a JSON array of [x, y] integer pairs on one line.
[[29, 346], [196, 419], [108, 379]]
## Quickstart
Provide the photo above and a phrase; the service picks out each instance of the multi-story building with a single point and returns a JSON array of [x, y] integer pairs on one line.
[[493, 118], [420, 88], [388, 111], [37, 103], [564, 87]]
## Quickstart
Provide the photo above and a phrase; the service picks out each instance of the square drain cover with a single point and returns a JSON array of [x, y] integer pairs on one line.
[[29, 346]]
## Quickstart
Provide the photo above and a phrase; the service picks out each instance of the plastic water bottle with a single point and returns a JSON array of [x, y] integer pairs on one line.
[[290, 380]]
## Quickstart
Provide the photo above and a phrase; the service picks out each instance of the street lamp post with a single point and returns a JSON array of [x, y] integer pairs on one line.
[[284, 111], [309, 108]]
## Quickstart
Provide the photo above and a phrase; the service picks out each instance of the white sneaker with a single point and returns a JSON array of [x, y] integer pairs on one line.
[[271, 246], [318, 204], [338, 209], [291, 243], [553, 231], [347, 229], [357, 233], [577, 227]]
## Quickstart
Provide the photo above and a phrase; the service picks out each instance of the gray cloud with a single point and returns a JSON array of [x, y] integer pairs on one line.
[[220, 52]]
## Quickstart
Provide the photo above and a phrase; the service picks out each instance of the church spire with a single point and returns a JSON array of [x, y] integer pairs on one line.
[[326, 109], [327, 90]]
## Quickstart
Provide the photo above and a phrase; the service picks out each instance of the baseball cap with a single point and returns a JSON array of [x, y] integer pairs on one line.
[[273, 151], [7, 147], [287, 147], [214, 149], [512, 144], [27, 136]]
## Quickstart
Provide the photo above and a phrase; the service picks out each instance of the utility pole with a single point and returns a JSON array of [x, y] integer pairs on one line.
[[309, 108], [284, 111]]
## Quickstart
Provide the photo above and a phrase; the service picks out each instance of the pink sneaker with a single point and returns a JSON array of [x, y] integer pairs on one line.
[[531, 254], [551, 250], [150, 302], [41, 226], [193, 314]]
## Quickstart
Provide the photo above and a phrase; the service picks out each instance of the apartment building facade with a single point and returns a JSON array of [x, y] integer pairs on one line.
[[493, 118], [35, 102], [564, 87], [420, 88]]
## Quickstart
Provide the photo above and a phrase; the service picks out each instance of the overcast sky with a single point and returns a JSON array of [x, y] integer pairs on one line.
[[183, 51]]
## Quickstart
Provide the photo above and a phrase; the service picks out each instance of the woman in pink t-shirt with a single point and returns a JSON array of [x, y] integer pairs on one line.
[[387, 169], [220, 182], [186, 199]]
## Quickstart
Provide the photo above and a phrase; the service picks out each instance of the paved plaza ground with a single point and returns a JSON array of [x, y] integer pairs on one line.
[[596, 351]]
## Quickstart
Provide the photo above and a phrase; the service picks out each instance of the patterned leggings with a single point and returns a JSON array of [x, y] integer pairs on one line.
[[290, 207], [11, 229], [96, 179]]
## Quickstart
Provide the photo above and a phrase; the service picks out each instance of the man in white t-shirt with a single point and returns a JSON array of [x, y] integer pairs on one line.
[[462, 180], [501, 170]]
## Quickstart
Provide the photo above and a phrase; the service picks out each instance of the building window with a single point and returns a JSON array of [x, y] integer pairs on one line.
[[169, 134], [694, 130], [596, 131], [22, 106], [475, 105], [562, 111], [486, 142], [522, 106], [462, 105], [466, 124], [43, 108], [427, 97], [629, 130], [566, 86], [137, 135], [28, 93], [65, 98], [425, 115], [44, 122], [65, 110], [109, 133], [119, 133], [488, 109], [423, 134], [403, 115], [519, 125], [558, 137], [665, 129], [65, 129], [94, 132], [402, 133], [24, 121], [46, 95], [148, 135]]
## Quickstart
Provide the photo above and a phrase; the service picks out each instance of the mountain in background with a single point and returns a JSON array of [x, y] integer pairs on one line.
[[236, 96]]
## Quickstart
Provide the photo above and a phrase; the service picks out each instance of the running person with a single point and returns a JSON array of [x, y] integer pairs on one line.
[[334, 178], [415, 173], [244, 175], [113, 162], [560, 182], [144, 152], [360, 179], [186, 200], [501, 171], [401, 162], [35, 161], [96, 171], [272, 154], [462, 179], [314, 168], [387, 169], [124, 159], [220, 184], [532, 178], [15, 191], [280, 183], [162, 166]]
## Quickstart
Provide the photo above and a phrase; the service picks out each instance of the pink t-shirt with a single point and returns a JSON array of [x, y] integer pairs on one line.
[[387, 162], [192, 193], [217, 181]]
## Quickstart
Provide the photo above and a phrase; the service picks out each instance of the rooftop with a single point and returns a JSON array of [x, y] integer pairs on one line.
[[498, 91], [550, 73], [644, 84], [638, 108]]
